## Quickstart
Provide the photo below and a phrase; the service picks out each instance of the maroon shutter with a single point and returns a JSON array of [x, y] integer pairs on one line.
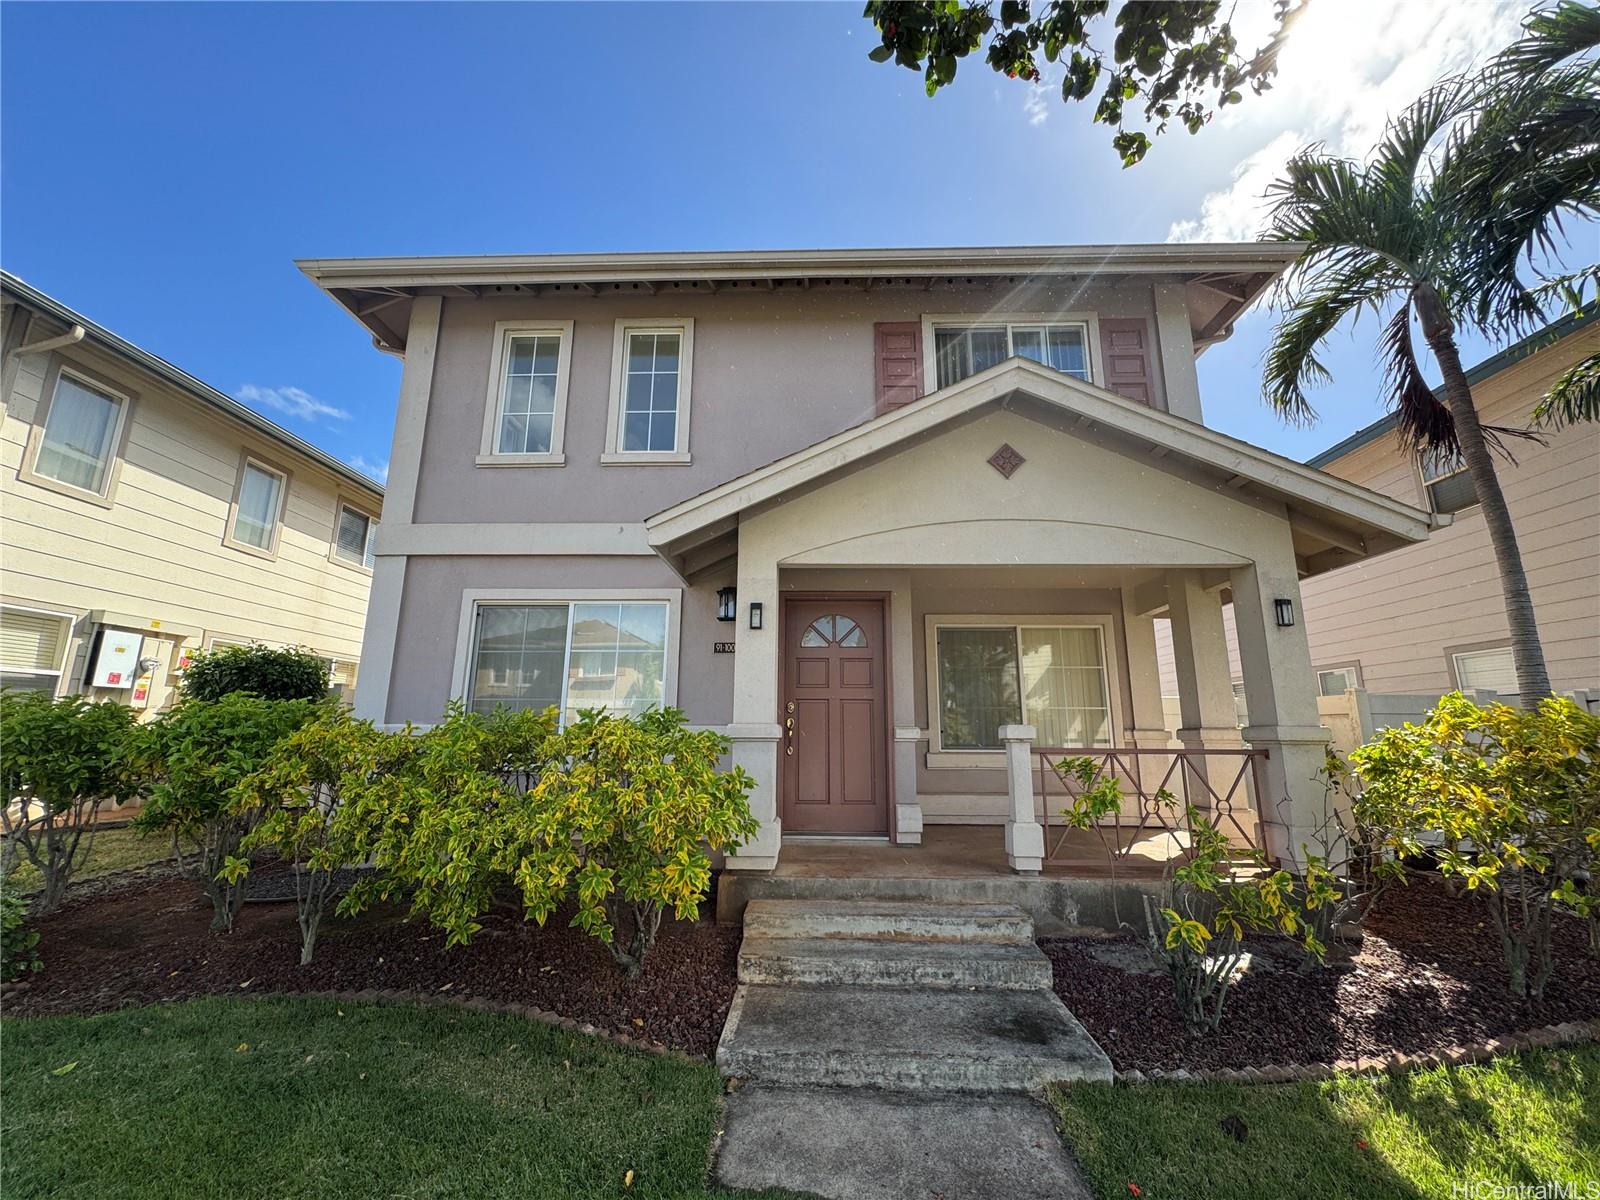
[[1125, 347], [899, 363]]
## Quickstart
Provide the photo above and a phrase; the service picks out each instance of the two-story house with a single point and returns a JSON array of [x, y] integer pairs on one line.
[[145, 515], [889, 518]]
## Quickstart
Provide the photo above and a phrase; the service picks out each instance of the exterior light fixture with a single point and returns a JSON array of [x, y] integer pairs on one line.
[[1284, 610], [755, 614], [725, 604]]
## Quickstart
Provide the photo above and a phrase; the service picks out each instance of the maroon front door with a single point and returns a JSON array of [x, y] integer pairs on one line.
[[835, 777]]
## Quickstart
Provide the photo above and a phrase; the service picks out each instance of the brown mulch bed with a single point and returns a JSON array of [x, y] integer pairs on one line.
[[149, 942], [1428, 976]]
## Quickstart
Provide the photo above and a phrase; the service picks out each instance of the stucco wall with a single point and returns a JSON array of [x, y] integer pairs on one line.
[[772, 373]]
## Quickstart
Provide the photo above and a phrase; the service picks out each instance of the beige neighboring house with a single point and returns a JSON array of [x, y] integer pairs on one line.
[[899, 522], [145, 515], [1430, 618]]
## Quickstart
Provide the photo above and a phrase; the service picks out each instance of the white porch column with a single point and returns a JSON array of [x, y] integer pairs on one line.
[[1147, 723], [1281, 690], [903, 707], [1200, 655], [1024, 834], [755, 729]]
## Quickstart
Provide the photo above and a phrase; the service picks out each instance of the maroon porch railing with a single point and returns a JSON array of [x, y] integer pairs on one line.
[[1222, 784]]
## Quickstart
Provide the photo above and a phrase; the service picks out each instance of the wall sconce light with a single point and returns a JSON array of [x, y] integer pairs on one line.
[[755, 614], [1284, 610], [725, 603]]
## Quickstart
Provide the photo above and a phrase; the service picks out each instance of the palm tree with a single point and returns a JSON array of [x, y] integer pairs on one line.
[[1464, 197]]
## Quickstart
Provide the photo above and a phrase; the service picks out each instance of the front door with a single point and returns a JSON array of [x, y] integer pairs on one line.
[[835, 773]]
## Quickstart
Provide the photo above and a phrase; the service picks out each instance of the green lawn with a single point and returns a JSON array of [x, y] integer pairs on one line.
[[111, 850], [1528, 1119], [309, 1098]]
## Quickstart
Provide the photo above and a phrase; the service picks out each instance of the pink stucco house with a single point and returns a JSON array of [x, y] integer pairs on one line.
[[894, 520]]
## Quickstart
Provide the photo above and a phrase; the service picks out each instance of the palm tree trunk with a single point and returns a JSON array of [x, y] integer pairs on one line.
[[1533, 680]]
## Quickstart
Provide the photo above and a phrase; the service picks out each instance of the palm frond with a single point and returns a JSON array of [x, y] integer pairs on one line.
[[1574, 397], [1316, 299], [1407, 137], [1330, 202], [1549, 36], [1424, 424]]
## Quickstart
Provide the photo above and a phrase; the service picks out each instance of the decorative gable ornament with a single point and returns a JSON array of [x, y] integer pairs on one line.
[[1006, 460]]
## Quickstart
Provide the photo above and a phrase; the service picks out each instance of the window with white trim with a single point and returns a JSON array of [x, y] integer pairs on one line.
[[572, 655], [80, 434], [528, 394], [652, 371], [259, 506], [1493, 670], [1336, 681], [33, 649], [352, 541], [963, 350], [1445, 479], [1052, 677]]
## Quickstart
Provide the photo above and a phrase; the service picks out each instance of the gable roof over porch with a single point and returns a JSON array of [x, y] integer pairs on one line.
[[1334, 522]]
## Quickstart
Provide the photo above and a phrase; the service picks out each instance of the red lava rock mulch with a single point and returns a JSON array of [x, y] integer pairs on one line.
[[1428, 976], [150, 943]]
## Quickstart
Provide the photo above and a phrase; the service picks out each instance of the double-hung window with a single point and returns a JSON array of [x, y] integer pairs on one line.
[[573, 655], [1493, 670], [961, 350], [526, 411], [257, 507], [79, 438], [652, 368], [352, 540], [1052, 676], [1449, 487]]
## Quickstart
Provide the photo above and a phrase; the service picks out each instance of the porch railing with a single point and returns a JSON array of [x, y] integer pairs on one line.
[[1159, 784]]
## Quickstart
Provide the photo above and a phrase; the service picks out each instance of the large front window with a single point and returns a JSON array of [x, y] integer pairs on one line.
[[570, 655], [963, 350], [1052, 677]]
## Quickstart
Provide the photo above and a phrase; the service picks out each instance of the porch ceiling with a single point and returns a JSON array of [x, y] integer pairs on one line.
[[1334, 522]]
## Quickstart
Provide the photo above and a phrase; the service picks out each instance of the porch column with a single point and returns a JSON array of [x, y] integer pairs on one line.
[[1147, 723], [755, 730], [1200, 656], [903, 706], [1280, 688], [1024, 834]]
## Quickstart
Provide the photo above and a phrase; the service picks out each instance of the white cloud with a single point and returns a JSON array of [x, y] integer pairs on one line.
[[1340, 82], [1036, 106], [377, 471], [293, 402]]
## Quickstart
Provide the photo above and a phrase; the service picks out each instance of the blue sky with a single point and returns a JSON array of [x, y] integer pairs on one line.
[[161, 166]]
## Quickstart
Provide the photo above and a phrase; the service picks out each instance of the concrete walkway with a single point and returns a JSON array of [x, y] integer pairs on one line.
[[893, 1049]]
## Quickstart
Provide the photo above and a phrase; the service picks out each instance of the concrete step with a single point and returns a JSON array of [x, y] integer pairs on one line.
[[870, 962], [889, 920], [906, 1039]]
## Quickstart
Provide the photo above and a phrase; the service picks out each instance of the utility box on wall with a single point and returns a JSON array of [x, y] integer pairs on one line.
[[116, 658]]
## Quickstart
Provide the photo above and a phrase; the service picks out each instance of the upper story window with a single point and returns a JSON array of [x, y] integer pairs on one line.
[[1448, 485], [526, 411], [352, 541], [81, 429], [257, 508], [961, 350], [650, 382]]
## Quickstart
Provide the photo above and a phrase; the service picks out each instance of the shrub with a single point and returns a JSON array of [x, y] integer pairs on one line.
[[622, 821], [290, 673], [1509, 802], [308, 797], [59, 761], [198, 754], [19, 942]]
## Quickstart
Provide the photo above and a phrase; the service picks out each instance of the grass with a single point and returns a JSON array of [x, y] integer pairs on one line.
[[309, 1098], [112, 850], [1527, 1119]]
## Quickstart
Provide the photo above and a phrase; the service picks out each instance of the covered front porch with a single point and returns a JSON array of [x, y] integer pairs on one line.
[[934, 609]]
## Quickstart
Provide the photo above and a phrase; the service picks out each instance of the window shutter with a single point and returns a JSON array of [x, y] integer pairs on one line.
[[1125, 347], [899, 363], [31, 641]]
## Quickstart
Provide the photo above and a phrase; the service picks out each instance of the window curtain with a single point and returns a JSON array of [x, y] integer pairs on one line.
[[1064, 686], [76, 446]]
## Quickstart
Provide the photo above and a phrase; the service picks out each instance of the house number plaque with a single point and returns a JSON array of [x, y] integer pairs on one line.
[[722, 647]]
